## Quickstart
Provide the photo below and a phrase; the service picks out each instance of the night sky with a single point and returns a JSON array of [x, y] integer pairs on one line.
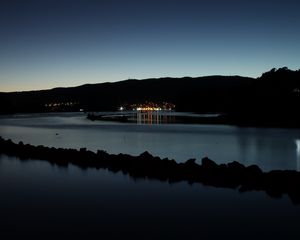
[[54, 43]]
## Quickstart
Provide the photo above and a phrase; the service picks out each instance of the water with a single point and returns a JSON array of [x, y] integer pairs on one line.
[[43, 201], [268, 148]]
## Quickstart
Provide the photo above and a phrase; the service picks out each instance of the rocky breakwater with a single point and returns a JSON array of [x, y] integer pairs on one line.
[[232, 175]]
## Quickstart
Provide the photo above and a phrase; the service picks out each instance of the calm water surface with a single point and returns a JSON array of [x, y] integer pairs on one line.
[[268, 148], [43, 201]]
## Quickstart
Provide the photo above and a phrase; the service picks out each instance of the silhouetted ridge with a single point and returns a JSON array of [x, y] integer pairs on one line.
[[232, 175], [213, 94], [270, 101]]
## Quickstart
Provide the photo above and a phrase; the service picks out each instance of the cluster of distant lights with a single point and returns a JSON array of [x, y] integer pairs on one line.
[[147, 109], [149, 106], [58, 104]]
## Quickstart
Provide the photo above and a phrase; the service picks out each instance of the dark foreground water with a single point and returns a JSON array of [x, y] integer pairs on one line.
[[47, 202]]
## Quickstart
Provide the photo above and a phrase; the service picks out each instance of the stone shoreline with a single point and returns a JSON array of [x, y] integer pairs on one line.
[[145, 166]]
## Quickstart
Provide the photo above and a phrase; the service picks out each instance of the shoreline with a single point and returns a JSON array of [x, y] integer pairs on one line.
[[233, 175], [219, 119]]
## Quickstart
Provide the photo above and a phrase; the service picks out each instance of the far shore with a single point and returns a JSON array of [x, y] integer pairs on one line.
[[196, 118], [157, 117], [200, 118]]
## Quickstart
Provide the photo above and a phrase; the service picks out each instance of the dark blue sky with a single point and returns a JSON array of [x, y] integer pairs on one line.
[[46, 44]]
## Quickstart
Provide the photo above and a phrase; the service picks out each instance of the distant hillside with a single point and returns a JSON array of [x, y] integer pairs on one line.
[[272, 99], [214, 93]]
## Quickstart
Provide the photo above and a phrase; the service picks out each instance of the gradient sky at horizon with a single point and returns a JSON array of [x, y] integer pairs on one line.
[[62, 43]]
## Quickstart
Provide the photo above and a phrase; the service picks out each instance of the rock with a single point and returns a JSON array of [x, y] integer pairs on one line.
[[253, 170], [146, 155], [208, 163], [191, 161], [236, 166]]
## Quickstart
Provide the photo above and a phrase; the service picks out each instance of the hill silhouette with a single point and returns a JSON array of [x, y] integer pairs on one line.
[[213, 93], [271, 99]]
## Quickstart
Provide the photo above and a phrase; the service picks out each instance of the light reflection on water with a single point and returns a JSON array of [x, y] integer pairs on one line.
[[298, 153]]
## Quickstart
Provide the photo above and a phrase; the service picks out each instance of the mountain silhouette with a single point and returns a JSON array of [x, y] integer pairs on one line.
[[271, 99]]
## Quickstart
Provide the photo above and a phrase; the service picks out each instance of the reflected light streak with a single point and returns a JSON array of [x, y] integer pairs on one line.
[[297, 141]]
